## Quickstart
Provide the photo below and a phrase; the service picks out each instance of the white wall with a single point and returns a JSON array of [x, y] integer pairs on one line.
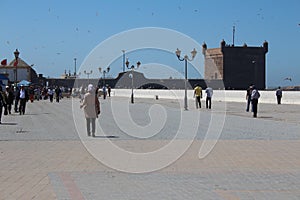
[[289, 97]]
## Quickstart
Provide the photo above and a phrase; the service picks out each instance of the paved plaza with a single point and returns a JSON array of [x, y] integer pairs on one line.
[[43, 155]]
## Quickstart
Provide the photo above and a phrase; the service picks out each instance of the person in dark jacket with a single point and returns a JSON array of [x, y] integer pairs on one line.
[[254, 100], [279, 95], [10, 98], [57, 93], [2, 102], [248, 98], [17, 98]]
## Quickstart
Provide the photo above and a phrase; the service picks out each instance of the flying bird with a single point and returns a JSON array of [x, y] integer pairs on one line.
[[288, 79]]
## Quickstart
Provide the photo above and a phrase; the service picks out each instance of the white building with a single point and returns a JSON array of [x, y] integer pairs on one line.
[[22, 71]]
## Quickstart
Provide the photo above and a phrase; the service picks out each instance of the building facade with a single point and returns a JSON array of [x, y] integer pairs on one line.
[[22, 71], [237, 66]]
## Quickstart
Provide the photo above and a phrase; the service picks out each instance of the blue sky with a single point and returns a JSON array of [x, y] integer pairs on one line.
[[50, 34]]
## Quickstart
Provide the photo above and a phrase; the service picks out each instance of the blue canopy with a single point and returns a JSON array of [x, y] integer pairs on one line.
[[24, 82], [1, 83], [2, 77]]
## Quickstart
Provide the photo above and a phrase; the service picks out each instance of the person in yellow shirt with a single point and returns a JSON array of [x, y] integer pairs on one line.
[[198, 95]]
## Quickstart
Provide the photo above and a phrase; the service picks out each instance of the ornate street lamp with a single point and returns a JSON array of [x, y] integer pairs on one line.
[[88, 75], [185, 59], [104, 72], [132, 67], [17, 53]]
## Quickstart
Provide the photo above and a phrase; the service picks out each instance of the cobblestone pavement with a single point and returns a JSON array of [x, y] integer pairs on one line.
[[42, 156]]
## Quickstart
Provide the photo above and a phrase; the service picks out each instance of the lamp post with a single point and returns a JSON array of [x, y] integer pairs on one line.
[[88, 75], [75, 67], [16, 65], [104, 72], [255, 72], [132, 67], [185, 59], [77, 79], [123, 60]]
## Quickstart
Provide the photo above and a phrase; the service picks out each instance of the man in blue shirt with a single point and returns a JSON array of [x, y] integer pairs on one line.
[[209, 93]]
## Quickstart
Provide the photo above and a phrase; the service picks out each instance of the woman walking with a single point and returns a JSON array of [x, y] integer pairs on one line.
[[91, 109]]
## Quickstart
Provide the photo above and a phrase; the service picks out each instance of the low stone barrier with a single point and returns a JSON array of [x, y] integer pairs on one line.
[[289, 97]]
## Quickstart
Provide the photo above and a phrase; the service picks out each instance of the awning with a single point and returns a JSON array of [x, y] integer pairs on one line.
[[24, 82], [2, 77]]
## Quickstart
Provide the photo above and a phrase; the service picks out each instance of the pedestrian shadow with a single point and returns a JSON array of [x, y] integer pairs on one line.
[[37, 114], [9, 123], [265, 117], [107, 136]]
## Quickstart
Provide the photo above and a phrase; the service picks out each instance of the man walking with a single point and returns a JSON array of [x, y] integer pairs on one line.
[[10, 99], [109, 90], [198, 95], [209, 93], [254, 99], [50, 94], [104, 91], [248, 97], [2, 102], [17, 98], [57, 93], [279, 95], [24, 97]]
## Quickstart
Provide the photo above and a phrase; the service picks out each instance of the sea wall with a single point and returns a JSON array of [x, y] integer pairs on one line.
[[289, 97]]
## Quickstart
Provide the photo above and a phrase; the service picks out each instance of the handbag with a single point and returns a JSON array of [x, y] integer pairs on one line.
[[97, 106], [5, 110]]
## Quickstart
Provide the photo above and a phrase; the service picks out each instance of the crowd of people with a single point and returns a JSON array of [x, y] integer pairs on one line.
[[252, 96], [16, 98], [81, 91]]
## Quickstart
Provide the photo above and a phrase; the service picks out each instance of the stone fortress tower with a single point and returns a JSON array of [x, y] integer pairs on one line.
[[237, 66]]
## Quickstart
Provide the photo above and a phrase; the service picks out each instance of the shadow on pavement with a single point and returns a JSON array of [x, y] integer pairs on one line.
[[265, 117], [37, 113], [9, 123], [108, 136]]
